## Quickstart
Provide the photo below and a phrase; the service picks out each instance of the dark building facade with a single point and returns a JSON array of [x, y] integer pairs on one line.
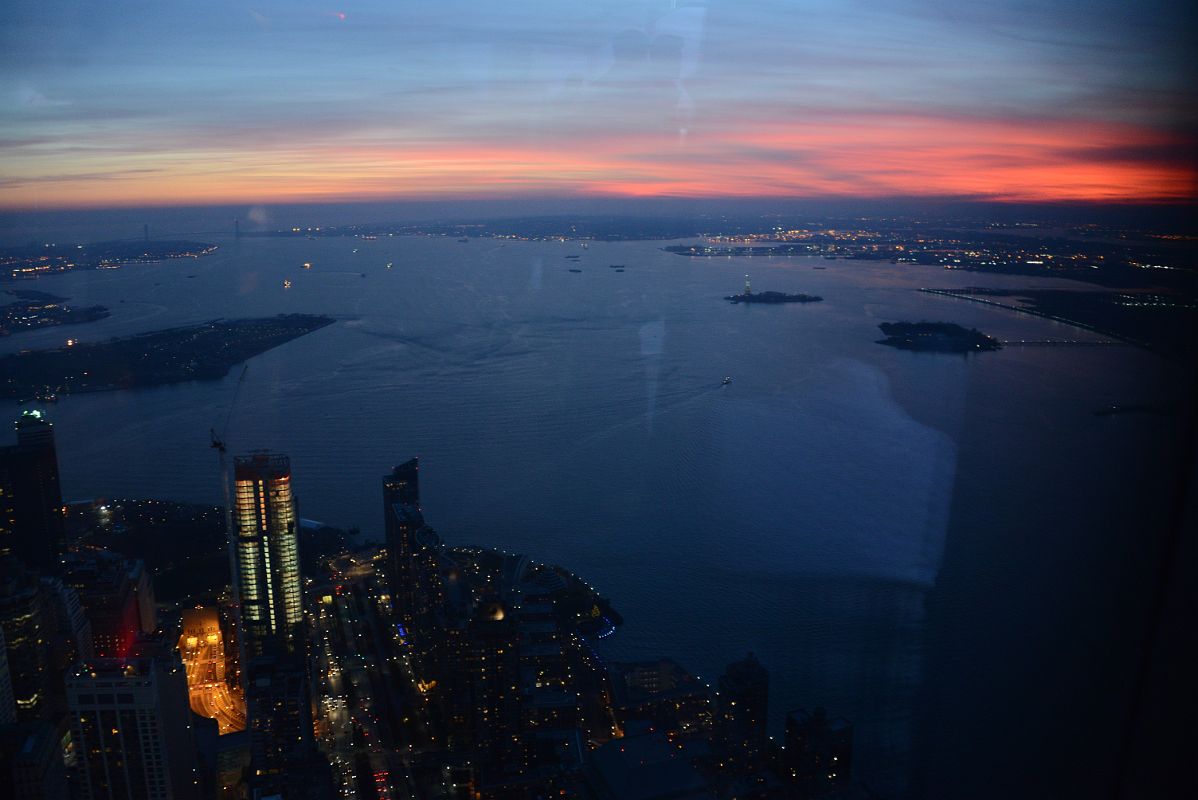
[[664, 695], [26, 621], [131, 724], [819, 751], [490, 672], [741, 715], [31, 510], [109, 599], [279, 712], [8, 702], [31, 763], [72, 636], [284, 761], [402, 486], [403, 521]]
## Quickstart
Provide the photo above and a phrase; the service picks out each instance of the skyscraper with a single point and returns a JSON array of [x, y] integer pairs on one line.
[[267, 552], [489, 668], [101, 580], [132, 727], [403, 521], [31, 521], [403, 484], [279, 706], [277, 693], [415, 566], [24, 619], [70, 637], [740, 723]]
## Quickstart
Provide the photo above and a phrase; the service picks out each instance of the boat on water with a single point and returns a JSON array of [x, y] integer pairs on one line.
[[388, 265], [576, 270], [307, 265], [286, 283], [727, 380]]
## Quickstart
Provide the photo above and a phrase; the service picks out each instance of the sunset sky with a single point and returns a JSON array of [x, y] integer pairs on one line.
[[146, 103]]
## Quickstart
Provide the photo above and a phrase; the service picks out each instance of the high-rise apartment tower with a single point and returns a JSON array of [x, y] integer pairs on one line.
[[267, 554]]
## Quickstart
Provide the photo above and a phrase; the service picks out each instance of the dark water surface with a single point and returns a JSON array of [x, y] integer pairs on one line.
[[955, 553]]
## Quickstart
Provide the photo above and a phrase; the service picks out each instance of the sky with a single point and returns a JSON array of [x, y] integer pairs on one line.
[[111, 104]]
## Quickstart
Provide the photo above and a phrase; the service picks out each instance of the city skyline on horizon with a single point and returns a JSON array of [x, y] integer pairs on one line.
[[1016, 102]]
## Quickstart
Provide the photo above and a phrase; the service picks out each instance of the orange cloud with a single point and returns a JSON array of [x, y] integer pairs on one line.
[[841, 156]]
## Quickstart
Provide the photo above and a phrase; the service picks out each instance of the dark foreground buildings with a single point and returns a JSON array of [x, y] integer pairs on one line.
[[132, 728], [507, 698], [740, 723], [416, 670], [819, 751]]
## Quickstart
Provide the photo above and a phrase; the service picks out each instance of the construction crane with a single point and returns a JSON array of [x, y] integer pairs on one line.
[[218, 444]]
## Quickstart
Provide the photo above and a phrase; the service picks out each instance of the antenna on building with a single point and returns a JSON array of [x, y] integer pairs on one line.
[[748, 288]]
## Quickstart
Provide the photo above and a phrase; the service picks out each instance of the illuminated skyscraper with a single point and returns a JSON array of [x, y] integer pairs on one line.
[[267, 552]]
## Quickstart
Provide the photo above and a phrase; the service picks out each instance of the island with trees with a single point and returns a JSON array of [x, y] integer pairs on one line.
[[772, 297], [195, 352], [936, 337]]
